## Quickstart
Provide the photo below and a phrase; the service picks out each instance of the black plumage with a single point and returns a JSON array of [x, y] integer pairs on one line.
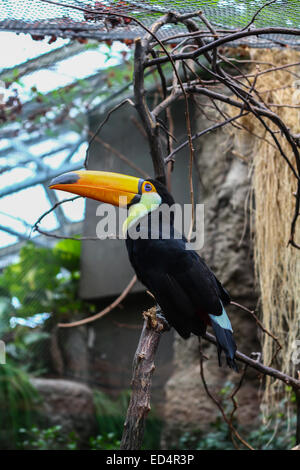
[[182, 284]]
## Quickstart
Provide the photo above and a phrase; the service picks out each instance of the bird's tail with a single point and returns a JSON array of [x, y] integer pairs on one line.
[[225, 341]]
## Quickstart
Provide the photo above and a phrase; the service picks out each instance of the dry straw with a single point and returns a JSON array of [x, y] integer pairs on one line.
[[277, 265]]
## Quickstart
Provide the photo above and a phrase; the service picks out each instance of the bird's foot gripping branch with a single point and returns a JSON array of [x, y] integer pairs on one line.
[[156, 319]]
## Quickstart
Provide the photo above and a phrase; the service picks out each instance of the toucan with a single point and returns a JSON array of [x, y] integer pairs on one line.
[[186, 290]]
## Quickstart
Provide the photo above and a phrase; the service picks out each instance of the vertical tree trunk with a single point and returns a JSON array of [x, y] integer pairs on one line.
[[143, 368]]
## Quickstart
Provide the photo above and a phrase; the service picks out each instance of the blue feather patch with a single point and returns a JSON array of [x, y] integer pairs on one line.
[[222, 320]]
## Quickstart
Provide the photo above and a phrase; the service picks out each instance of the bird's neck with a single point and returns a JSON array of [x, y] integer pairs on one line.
[[147, 204]]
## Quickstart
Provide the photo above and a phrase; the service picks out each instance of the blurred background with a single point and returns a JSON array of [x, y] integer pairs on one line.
[[68, 388]]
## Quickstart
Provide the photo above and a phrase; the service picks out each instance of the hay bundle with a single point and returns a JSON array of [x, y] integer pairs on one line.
[[277, 265]]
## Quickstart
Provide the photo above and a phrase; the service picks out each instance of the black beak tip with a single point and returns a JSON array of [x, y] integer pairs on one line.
[[67, 178]]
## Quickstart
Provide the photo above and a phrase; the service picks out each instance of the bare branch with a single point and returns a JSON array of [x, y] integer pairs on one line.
[[266, 370], [218, 404], [127, 100], [36, 228], [257, 13], [103, 312], [261, 326], [57, 204], [200, 134], [143, 368], [223, 40]]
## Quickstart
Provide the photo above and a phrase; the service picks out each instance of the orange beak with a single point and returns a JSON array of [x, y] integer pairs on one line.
[[112, 188]]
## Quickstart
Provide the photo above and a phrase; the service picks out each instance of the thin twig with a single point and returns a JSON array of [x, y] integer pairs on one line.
[[65, 237], [266, 370], [218, 404], [113, 150], [39, 220], [234, 401], [200, 134], [223, 40], [36, 228], [261, 326], [98, 130], [257, 13], [103, 312]]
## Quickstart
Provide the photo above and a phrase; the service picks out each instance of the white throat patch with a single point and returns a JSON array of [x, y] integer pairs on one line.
[[148, 203]]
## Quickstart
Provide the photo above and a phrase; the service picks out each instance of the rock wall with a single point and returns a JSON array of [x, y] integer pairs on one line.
[[68, 404], [224, 190]]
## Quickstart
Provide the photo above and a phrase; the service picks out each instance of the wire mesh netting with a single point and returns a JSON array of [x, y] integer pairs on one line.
[[78, 19]]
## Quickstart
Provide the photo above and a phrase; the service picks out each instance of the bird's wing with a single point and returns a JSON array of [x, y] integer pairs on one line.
[[168, 269], [198, 282], [175, 304], [222, 292]]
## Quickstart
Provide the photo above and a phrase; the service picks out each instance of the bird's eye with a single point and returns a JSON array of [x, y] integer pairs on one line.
[[147, 187]]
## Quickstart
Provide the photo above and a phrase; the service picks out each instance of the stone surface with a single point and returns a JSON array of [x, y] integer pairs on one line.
[[227, 250], [68, 404]]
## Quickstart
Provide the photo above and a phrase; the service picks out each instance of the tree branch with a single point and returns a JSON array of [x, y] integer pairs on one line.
[[143, 368], [233, 431], [105, 311], [200, 134], [223, 40], [266, 370], [149, 122]]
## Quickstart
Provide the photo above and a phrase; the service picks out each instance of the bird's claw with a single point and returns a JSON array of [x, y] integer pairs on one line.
[[162, 318]]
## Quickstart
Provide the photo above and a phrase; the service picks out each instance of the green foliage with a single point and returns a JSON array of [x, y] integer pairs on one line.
[[53, 438], [18, 400], [6, 310], [106, 441], [46, 439], [277, 434], [217, 439], [111, 413], [25, 347], [44, 280]]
